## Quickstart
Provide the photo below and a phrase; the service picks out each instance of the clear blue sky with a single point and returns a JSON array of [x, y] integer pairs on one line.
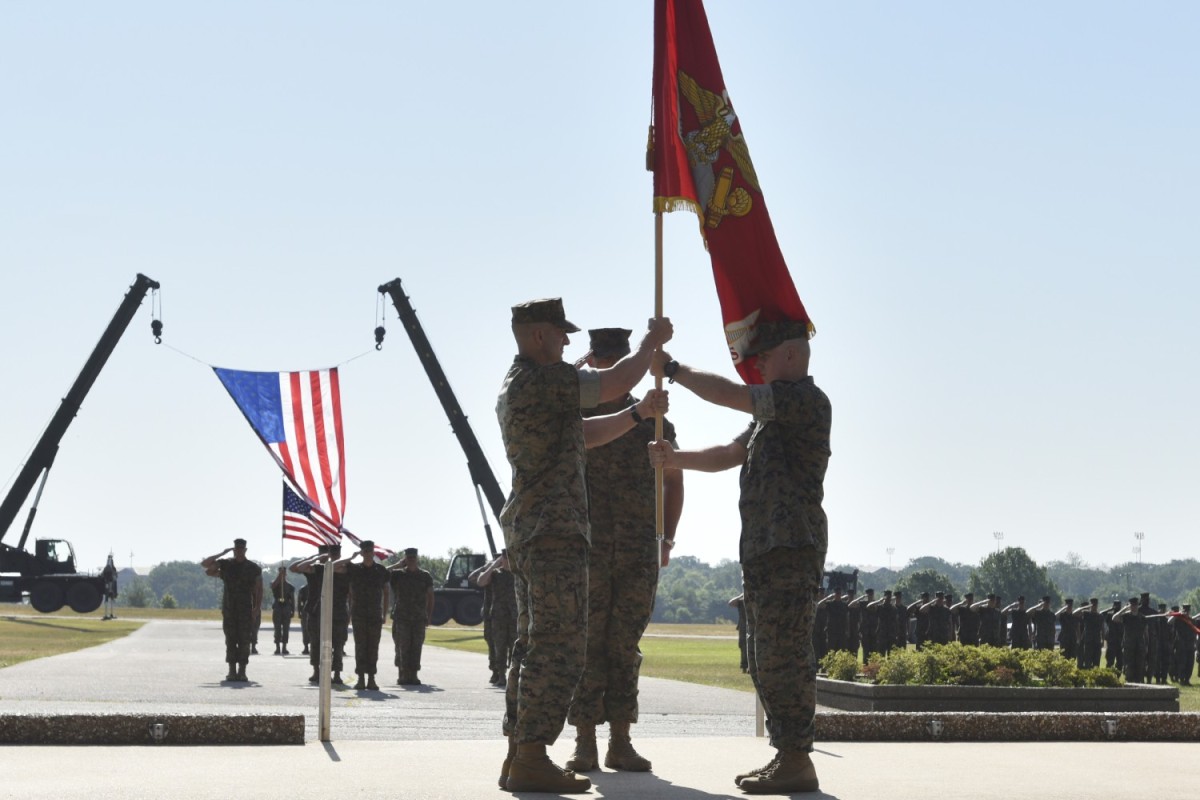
[[990, 211]]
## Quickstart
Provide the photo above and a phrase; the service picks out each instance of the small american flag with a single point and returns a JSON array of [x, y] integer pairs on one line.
[[382, 553], [306, 524]]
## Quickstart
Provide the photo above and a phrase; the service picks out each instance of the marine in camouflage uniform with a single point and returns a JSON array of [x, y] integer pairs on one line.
[[283, 608], [623, 565], [412, 607], [302, 607], [545, 522], [314, 573], [499, 613], [242, 595], [1184, 643], [940, 621], [1068, 629], [1043, 620], [968, 619], [368, 582], [1091, 634], [1018, 621], [1133, 641], [783, 455]]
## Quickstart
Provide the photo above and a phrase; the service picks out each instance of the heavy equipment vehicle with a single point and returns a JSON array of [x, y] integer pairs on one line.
[[50, 576]]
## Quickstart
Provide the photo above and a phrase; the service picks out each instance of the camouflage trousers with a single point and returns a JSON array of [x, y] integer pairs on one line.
[[780, 587], [1088, 655], [281, 618], [408, 635], [503, 635], [552, 591], [622, 580], [239, 633], [367, 630], [340, 633]]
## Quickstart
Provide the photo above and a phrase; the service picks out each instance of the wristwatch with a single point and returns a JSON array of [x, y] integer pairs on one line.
[[669, 370], [633, 412]]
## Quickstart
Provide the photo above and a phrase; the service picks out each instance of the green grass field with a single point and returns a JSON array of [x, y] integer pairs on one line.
[[26, 637]]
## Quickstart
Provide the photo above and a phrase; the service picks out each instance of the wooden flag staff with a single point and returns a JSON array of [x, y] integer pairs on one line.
[[659, 526]]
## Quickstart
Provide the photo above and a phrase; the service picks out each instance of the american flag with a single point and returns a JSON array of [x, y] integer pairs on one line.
[[298, 416], [306, 524]]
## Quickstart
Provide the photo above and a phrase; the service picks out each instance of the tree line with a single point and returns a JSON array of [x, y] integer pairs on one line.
[[693, 591]]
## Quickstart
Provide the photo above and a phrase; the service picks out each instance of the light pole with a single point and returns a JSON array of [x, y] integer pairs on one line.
[[890, 550], [999, 537]]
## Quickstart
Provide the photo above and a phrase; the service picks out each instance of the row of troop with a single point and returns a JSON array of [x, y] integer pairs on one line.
[[363, 592], [1152, 646]]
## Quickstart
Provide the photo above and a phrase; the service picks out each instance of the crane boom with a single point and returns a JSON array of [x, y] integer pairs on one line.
[[42, 457], [481, 471]]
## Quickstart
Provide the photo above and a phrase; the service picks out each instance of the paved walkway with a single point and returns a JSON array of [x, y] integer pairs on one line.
[[442, 741]]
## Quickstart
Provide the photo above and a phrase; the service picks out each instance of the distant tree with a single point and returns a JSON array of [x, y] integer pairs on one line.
[[959, 574], [925, 580], [186, 582], [167, 601], [1192, 598], [137, 594], [1074, 577], [1011, 573]]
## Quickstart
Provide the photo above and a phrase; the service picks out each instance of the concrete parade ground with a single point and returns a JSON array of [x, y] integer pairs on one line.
[[442, 740]]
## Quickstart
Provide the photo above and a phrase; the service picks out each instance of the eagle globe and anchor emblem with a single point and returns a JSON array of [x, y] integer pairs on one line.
[[716, 192]]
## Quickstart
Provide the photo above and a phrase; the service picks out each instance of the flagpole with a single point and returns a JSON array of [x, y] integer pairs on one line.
[[659, 527], [326, 657]]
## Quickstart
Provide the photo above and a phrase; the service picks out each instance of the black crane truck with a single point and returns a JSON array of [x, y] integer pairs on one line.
[[49, 576], [455, 598]]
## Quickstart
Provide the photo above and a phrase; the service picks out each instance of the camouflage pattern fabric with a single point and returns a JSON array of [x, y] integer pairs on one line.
[[504, 619], [780, 586], [302, 606], [989, 628], [366, 613], [237, 606], [1091, 624], [1043, 628], [553, 576], [1068, 634], [941, 624], [410, 615], [538, 409], [783, 542], [622, 570], [517, 657], [968, 625], [782, 481], [1018, 631], [1133, 646]]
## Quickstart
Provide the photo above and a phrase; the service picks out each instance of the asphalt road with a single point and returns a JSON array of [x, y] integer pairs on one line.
[[177, 666]]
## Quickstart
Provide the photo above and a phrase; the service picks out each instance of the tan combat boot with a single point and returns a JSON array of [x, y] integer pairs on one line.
[[621, 754], [793, 772], [512, 751], [532, 770], [756, 772], [585, 758]]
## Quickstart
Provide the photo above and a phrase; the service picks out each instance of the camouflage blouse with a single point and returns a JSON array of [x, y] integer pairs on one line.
[[539, 417], [782, 480], [620, 480], [410, 592], [239, 578]]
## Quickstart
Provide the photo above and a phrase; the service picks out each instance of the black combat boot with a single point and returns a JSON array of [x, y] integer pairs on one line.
[[241, 673], [337, 678], [284, 651], [371, 684], [362, 683], [232, 676], [315, 677], [277, 648]]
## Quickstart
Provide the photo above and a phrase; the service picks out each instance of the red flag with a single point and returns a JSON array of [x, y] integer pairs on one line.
[[700, 162]]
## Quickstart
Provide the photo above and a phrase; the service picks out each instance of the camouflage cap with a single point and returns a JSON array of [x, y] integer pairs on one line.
[[239, 543], [609, 342], [547, 310], [366, 544], [410, 551], [772, 334]]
